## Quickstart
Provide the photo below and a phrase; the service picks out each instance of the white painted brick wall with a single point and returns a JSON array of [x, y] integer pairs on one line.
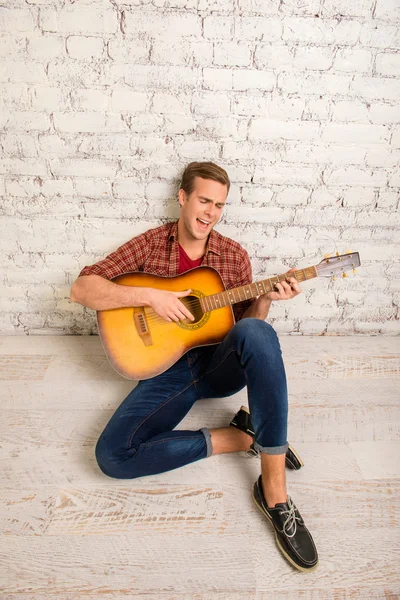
[[103, 103]]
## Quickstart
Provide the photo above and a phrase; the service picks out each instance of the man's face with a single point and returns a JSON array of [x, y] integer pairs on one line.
[[202, 209]]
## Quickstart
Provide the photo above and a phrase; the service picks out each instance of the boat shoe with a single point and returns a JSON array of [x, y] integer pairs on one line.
[[242, 421], [292, 536]]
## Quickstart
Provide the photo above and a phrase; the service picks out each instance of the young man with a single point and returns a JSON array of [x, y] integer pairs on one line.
[[140, 438]]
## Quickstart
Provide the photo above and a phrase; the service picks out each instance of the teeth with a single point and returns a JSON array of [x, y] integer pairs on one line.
[[205, 222]]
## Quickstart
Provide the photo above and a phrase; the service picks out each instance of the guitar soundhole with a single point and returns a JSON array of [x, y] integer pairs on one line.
[[193, 305]]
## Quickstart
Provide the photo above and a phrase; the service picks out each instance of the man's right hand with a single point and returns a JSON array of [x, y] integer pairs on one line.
[[168, 306]]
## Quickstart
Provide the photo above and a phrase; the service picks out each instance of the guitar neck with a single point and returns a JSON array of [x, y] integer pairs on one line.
[[252, 290]]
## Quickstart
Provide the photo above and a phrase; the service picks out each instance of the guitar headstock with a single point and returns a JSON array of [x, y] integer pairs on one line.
[[331, 266]]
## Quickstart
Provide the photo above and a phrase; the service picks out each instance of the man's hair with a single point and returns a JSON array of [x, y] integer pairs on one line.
[[205, 170]]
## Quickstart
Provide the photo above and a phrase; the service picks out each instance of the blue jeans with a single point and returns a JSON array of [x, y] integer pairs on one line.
[[139, 439]]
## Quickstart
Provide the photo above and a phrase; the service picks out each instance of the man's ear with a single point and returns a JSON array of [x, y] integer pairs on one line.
[[181, 197]]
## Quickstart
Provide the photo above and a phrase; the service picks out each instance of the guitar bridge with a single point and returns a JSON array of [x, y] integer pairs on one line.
[[142, 327]]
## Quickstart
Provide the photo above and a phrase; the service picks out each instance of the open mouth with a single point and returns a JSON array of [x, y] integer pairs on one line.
[[202, 224]]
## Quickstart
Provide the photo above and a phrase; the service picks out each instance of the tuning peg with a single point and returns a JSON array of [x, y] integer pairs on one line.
[[355, 272], [347, 251], [327, 256], [334, 277], [337, 253], [344, 274]]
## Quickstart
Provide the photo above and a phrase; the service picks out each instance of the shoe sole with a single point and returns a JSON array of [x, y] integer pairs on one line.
[[296, 454], [285, 554]]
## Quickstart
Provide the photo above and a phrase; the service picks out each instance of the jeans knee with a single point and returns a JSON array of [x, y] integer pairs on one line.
[[106, 459], [256, 330]]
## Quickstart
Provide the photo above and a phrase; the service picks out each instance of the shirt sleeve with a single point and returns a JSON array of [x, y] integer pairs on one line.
[[245, 277], [127, 258]]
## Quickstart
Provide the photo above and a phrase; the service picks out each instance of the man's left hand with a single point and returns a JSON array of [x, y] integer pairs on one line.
[[286, 289]]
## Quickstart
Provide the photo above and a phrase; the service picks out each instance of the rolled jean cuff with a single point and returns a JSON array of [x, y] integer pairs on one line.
[[272, 449], [207, 435]]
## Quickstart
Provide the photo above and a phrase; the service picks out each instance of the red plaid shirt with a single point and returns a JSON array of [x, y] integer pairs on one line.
[[157, 252]]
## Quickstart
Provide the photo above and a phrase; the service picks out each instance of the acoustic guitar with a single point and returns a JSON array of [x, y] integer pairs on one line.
[[140, 344]]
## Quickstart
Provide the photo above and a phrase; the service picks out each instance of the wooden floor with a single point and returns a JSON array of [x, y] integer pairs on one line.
[[70, 533]]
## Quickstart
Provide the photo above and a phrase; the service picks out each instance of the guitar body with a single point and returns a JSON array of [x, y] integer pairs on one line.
[[140, 344]]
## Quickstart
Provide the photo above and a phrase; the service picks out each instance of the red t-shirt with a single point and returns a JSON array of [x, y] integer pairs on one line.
[[186, 263]]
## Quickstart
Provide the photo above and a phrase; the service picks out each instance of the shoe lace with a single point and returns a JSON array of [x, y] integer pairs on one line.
[[290, 519]]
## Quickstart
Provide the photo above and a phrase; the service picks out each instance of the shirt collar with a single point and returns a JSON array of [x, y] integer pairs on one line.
[[213, 239]]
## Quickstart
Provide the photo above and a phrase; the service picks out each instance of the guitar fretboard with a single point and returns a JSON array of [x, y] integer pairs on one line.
[[247, 292]]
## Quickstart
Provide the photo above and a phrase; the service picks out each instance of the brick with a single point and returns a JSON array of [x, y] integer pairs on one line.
[[329, 217], [16, 19], [93, 188], [91, 100], [128, 100], [376, 34], [298, 7], [181, 25], [84, 47], [15, 96], [320, 31], [295, 196], [197, 149], [268, 214], [222, 128], [342, 8], [210, 104], [382, 157], [322, 83], [350, 111], [75, 122], [249, 105], [313, 58], [12, 45], [45, 47], [233, 54], [72, 74], [323, 197], [358, 197], [177, 52], [287, 174], [355, 133], [146, 77], [319, 153], [129, 50], [244, 150], [217, 79], [285, 108], [317, 109], [274, 56], [261, 7], [15, 166], [384, 113], [254, 28], [106, 145], [26, 72], [28, 121], [49, 98], [356, 176], [216, 27], [129, 188], [268, 129], [388, 199], [83, 167], [353, 60], [387, 9], [179, 124], [257, 196], [78, 18], [56, 145], [253, 79], [375, 88], [20, 145], [388, 64], [172, 104]]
